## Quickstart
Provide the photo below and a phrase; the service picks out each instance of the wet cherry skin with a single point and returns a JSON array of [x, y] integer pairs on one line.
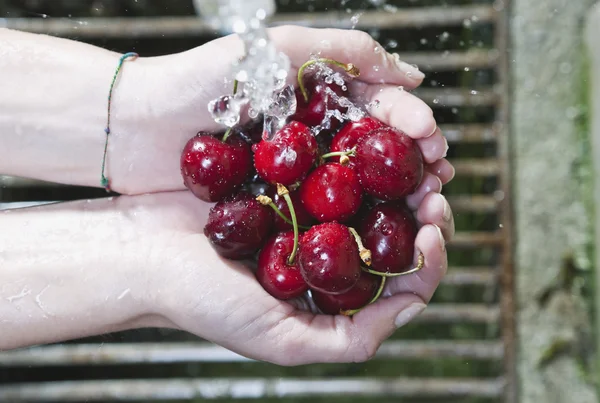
[[279, 278], [328, 258], [389, 231], [331, 192], [389, 164], [238, 226], [213, 169], [357, 297], [288, 156]]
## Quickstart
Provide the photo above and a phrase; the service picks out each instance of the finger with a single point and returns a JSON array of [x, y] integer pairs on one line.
[[430, 183], [398, 108], [423, 283], [434, 147], [309, 339], [443, 169], [346, 46], [434, 209]]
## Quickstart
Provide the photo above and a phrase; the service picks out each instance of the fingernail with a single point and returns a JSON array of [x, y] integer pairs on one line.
[[409, 314], [442, 239], [409, 70], [447, 147], [433, 131], [447, 213]]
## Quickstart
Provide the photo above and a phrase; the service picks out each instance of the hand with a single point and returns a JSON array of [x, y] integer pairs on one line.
[[195, 290], [218, 299], [172, 94]]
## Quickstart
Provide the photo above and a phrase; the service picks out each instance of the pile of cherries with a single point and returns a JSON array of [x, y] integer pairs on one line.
[[320, 213]]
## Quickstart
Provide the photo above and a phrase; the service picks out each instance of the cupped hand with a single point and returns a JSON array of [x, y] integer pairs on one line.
[[219, 300], [174, 92]]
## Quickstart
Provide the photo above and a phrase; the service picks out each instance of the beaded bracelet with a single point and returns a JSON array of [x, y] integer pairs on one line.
[[103, 179]]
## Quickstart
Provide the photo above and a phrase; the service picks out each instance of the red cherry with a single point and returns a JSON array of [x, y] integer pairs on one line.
[[389, 230], [252, 131], [357, 297], [331, 192], [349, 135], [238, 226], [389, 164], [302, 216], [320, 100], [287, 157], [328, 258], [213, 169], [279, 278]]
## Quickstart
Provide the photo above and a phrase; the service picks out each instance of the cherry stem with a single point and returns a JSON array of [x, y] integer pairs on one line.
[[228, 132], [349, 68], [349, 153], [267, 201], [352, 312], [365, 254], [283, 192], [419, 266]]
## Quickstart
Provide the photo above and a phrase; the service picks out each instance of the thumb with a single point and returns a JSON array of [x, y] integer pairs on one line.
[[307, 338]]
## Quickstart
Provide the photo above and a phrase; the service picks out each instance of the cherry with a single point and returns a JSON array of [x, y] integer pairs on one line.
[[252, 131], [331, 192], [349, 135], [276, 275], [328, 258], [287, 157], [357, 297], [389, 164], [315, 96], [213, 169], [320, 100], [389, 230], [303, 217], [238, 226]]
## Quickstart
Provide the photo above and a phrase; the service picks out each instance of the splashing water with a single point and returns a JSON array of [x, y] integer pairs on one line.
[[263, 70]]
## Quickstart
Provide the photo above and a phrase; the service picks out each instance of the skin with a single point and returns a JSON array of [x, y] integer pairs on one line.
[[89, 267]]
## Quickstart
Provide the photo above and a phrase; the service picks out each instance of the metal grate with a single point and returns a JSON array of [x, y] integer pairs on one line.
[[460, 349]]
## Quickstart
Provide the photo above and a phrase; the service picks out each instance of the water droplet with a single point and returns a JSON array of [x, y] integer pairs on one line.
[[376, 68], [401, 88], [467, 69], [225, 110], [444, 36], [473, 92], [436, 101], [467, 23], [376, 49], [423, 41], [284, 103], [386, 229], [392, 44]]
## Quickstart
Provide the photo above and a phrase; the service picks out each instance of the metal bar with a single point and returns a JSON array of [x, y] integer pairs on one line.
[[436, 61], [459, 313], [457, 276], [455, 97], [250, 388], [470, 132], [476, 167], [162, 353], [476, 239], [507, 302], [474, 204], [152, 27]]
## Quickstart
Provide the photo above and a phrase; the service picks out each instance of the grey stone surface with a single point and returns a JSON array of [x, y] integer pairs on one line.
[[552, 222]]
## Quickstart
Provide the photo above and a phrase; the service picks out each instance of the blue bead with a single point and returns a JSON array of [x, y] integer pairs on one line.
[[107, 130]]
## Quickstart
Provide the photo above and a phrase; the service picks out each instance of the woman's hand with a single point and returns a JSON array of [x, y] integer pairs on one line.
[[220, 300], [173, 92]]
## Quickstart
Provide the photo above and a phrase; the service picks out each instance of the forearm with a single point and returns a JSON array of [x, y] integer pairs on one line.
[[53, 107], [70, 270]]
